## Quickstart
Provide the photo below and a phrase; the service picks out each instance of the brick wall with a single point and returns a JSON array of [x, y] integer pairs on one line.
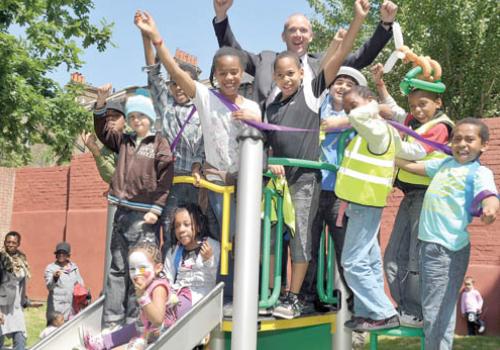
[[7, 180], [45, 215]]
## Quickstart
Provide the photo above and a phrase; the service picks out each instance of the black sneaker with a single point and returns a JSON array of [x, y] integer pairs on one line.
[[368, 325], [292, 307], [353, 322]]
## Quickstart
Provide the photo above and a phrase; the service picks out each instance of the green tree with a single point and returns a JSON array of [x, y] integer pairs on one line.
[[33, 107], [462, 35]]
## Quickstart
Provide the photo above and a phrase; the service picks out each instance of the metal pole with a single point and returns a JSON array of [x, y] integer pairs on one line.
[[246, 270], [107, 251], [342, 339]]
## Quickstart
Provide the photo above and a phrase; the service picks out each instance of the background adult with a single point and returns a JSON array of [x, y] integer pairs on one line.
[[15, 271], [297, 35], [60, 279]]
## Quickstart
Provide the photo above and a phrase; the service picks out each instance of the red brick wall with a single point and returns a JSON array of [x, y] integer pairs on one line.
[[42, 211], [484, 264], [7, 180]]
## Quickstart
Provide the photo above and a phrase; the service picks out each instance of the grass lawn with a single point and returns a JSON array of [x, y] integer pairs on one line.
[[35, 319], [460, 343]]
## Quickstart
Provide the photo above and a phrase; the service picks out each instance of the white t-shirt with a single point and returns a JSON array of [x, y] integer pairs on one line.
[[220, 130]]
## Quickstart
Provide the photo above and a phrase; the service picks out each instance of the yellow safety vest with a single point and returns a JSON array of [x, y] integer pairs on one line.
[[410, 178], [363, 177]]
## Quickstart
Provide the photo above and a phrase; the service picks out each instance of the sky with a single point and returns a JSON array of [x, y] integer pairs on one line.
[[185, 24]]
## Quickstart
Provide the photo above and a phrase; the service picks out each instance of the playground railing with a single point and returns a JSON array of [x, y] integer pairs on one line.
[[267, 298]]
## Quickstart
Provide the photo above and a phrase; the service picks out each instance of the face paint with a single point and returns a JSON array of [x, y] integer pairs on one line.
[[141, 266]]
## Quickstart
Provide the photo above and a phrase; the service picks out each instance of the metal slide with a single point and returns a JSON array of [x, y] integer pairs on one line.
[[66, 337], [186, 333]]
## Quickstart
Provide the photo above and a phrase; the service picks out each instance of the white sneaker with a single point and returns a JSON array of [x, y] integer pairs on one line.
[[227, 310], [111, 328], [481, 329], [408, 320]]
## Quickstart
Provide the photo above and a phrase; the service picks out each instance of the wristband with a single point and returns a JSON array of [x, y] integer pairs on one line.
[[158, 43], [144, 300]]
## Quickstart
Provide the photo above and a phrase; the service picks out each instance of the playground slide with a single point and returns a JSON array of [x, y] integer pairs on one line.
[[186, 333]]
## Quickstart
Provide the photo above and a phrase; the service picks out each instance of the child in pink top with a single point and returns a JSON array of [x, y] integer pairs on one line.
[[471, 305], [160, 305]]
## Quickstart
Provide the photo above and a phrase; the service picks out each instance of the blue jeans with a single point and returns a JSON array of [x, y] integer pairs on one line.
[[401, 258], [442, 274], [18, 340], [180, 194], [129, 229], [362, 263]]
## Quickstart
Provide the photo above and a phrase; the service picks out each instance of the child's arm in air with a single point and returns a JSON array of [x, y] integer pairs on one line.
[[147, 25], [389, 109], [108, 136], [333, 61], [412, 167]]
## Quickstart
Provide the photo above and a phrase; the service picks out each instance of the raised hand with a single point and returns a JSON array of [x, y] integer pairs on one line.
[[145, 22], [103, 92], [361, 8], [221, 7], [90, 140], [388, 11], [377, 73]]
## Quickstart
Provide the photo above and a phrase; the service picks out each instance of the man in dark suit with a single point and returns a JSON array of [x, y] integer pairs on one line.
[[297, 35]]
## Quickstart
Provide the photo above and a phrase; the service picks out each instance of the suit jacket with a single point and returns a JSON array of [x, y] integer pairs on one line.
[[260, 66]]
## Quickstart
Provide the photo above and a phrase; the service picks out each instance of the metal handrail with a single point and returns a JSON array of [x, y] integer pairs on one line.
[[328, 296], [266, 300], [226, 191]]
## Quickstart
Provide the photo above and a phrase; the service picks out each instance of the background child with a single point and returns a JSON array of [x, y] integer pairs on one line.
[[54, 320], [139, 188], [471, 305], [401, 258], [445, 245], [297, 105], [154, 295], [193, 261], [368, 167]]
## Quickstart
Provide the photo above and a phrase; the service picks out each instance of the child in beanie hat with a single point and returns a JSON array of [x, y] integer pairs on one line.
[[139, 188], [140, 104]]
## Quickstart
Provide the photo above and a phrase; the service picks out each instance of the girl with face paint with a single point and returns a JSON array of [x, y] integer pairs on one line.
[[160, 306]]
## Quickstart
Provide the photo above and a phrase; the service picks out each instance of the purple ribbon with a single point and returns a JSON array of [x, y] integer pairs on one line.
[[475, 207], [436, 145], [265, 126], [233, 107], [181, 130]]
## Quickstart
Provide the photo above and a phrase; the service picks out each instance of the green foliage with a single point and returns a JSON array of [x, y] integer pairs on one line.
[[462, 35], [34, 108]]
